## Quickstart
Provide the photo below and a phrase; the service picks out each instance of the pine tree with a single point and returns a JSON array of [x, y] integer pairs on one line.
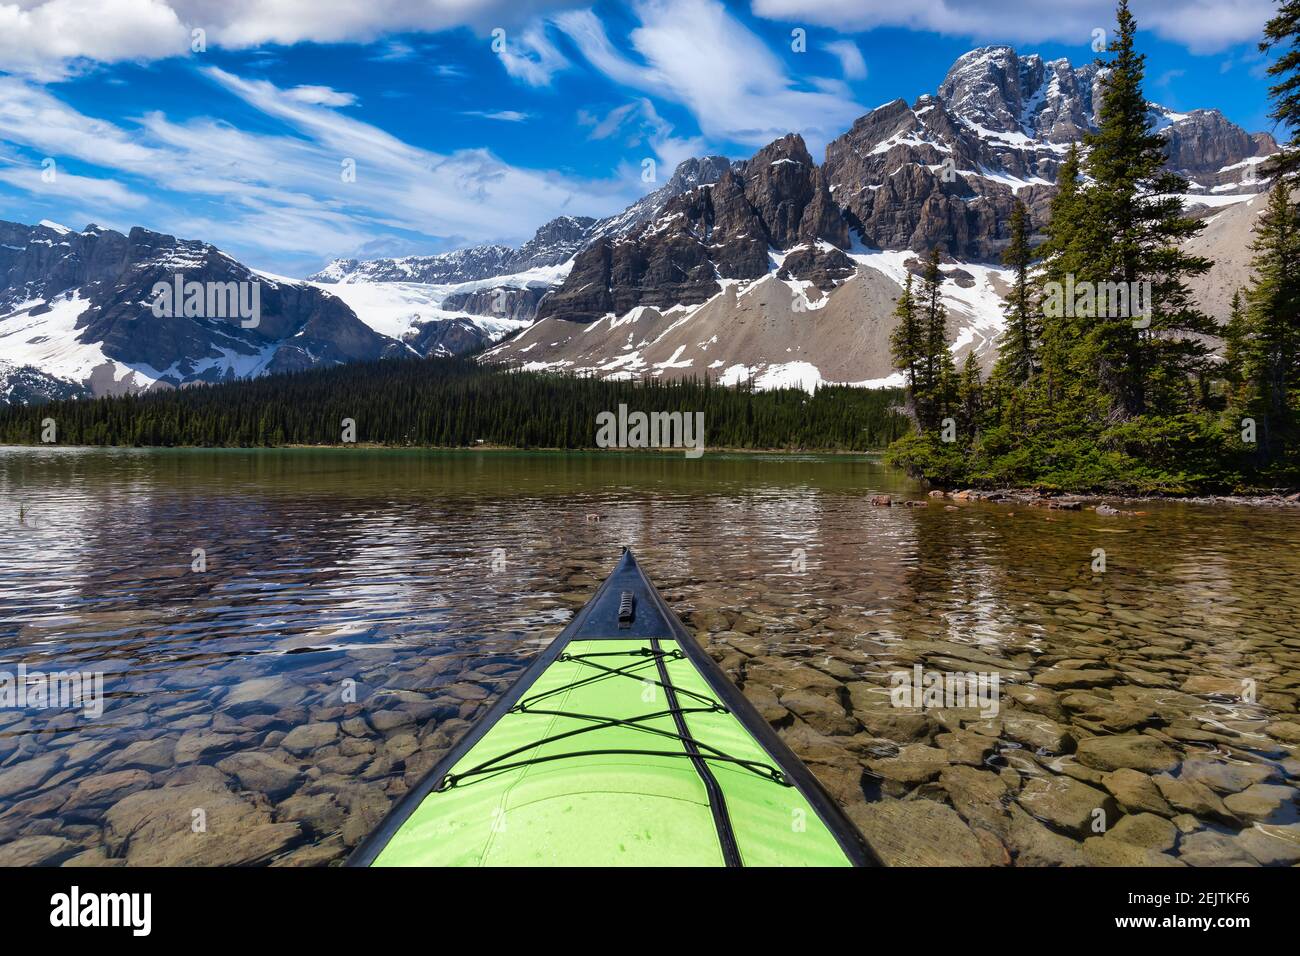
[[905, 341], [1058, 260], [1270, 369], [937, 379], [1132, 228], [970, 397], [1283, 32], [1234, 347], [1017, 348]]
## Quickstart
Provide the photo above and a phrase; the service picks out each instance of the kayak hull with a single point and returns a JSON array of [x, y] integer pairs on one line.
[[622, 744]]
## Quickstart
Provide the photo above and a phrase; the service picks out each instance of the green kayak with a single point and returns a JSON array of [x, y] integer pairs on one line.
[[622, 744]]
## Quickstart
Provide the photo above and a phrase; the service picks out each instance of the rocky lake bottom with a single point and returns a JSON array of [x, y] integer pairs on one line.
[[355, 611]]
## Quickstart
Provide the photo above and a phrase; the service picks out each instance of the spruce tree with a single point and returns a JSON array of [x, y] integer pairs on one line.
[[1058, 260], [1282, 33], [1269, 363], [1234, 347], [1132, 229], [937, 383], [970, 396], [905, 341], [1017, 348]]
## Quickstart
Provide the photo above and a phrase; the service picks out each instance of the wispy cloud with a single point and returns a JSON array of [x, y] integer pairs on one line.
[[504, 116], [531, 56], [697, 54], [1202, 25], [638, 124], [320, 96], [852, 63], [327, 185], [64, 186]]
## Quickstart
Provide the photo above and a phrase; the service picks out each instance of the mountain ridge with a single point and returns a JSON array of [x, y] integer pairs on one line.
[[942, 171]]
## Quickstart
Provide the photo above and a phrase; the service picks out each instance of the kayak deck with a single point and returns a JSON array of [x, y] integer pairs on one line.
[[615, 749]]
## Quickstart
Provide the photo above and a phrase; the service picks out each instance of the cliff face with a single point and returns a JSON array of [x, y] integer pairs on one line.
[[776, 200]]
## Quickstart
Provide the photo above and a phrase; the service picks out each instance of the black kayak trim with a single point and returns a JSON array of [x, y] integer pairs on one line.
[[717, 801], [599, 619]]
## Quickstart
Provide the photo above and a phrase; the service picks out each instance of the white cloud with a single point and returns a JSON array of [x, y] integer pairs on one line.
[[261, 194], [852, 64], [694, 52], [531, 56], [246, 23], [320, 96], [1204, 26], [46, 39], [504, 116], [67, 186]]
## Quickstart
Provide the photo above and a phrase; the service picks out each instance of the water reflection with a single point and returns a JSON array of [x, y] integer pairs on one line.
[[420, 582]]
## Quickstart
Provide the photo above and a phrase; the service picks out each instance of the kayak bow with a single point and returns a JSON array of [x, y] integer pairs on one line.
[[622, 744]]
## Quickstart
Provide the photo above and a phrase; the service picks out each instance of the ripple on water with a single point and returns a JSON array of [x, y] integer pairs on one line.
[[359, 610]]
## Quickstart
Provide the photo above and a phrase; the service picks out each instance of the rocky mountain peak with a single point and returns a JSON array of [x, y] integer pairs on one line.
[[994, 89], [553, 243], [789, 194], [778, 199], [948, 170], [984, 87]]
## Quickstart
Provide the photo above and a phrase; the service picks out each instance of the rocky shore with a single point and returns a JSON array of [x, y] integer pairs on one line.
[[1072, 502], [1114, 744]]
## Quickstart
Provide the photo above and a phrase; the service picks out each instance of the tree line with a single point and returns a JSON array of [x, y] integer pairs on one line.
[[1109, 376], [455, 402]]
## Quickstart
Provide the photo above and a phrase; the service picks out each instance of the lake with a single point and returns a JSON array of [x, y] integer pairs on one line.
[[288, 639]]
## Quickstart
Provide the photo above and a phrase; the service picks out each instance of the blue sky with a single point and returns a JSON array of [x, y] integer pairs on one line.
[[240, 121]]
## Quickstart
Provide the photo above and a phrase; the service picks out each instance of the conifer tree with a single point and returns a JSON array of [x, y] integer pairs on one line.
[[1131, 232], [1017, 348], [1234, 346], [1057, 261], [1282, 34], [970, 396], [906, 340], [1268, 342], [938, 380]]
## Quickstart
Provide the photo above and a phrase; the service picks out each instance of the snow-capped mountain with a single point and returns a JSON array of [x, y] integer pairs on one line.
[[554, 243], [947, 170], [80, 314], [773, 267], [720, 280], [82, 307], [500, 283]]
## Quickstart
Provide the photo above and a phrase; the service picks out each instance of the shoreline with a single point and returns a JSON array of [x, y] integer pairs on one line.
[[1092, 501], [376, 446], [1034, 498]]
